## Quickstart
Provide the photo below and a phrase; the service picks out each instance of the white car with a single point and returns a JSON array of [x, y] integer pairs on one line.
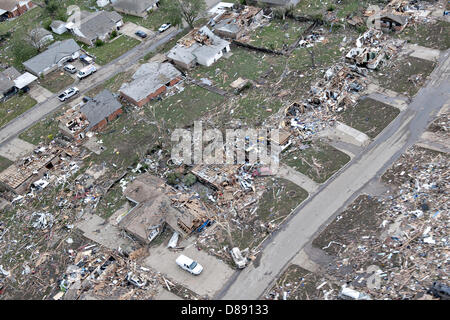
[[68, 94], [164, 27], [70, 68], [189, 265]]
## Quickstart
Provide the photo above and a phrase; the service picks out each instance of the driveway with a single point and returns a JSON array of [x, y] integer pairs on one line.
[[213, 277], [39, 93], [130, 28]]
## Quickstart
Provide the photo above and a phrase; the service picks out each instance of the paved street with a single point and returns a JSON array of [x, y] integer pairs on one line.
[[334, 195], [27, 119]]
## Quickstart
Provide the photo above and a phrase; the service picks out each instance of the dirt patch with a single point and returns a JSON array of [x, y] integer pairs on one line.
[[56, 81]]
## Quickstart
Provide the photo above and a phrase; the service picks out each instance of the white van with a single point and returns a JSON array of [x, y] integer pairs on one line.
[[86, 71], [189, 265]]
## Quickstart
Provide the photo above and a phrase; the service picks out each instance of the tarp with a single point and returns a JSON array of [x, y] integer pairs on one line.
[[24, 80]]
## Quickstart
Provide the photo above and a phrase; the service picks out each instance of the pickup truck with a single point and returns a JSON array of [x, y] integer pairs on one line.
[[68, 94], [87, 71]]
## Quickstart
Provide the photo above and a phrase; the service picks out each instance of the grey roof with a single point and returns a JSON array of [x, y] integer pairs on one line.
[[394, 17], [8, 5], [7, 78], [40, 32], [137, 6], [99, 23], [228, 25], [100, 107], [279, 2], [52, 55], [149, 78], [56, 24], [196, 50]]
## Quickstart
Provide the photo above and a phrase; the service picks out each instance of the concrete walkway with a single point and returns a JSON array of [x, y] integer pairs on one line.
[[15, 148], [298, 178]]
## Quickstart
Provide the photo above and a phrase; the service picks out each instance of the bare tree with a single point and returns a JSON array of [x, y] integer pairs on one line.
[[188, 10]]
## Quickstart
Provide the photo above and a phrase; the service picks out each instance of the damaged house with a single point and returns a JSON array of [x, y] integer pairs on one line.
[[200, 46], [233, 22], [150, 80], [19, 177], [389, 22], [92, 116], [96, 26], [156, 204], [14, 8]]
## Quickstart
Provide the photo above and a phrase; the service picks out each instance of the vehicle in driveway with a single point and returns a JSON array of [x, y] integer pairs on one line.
[[164, 27], [70, 68], [67, 94], [141, 34], [189, 265], [86, 59], [86, 71]]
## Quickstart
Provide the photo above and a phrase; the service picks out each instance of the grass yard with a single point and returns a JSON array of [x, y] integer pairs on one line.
[[112, 84], [242, 63], [278, 34], [4, 163], [111, 202], [14, 107], [370, 116], [279, 199], [431, 35], [112, 49], [319, 162], [406, 75], [43, 131], [153, 21], [56, 81]]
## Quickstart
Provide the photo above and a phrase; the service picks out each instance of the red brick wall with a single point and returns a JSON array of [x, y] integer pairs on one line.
[[102, 124], [20, 10], [147, 99]]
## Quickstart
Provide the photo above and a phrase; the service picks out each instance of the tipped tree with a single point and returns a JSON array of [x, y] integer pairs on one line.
[[187, 10]]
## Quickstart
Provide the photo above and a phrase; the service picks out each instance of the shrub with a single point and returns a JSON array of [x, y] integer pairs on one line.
[[172, 178], [331, 7], [189, 179], [113, 34], [99, 43]]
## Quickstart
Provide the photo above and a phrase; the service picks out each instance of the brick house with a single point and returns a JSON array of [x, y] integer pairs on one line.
[[14, 8], [150, 80]]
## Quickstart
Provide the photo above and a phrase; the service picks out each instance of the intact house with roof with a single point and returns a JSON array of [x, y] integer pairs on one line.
[[92, 116], [11, 82], [14, 8], [54, 57], [150, 80], [200, 46], [139, 8], [96, 26], [155, 204]]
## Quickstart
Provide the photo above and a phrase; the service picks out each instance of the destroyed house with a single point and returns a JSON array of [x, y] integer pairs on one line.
[[366, 57], [200, 46], [156, 204], [217, 177], [19, 177], [91, 116], [390, 22], [150, 80], [232, 23]]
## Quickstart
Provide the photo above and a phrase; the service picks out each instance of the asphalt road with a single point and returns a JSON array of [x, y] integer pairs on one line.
[[124, 62], [332, 197]]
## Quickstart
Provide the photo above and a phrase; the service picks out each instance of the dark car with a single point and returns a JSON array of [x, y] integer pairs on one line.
[[141, 34]]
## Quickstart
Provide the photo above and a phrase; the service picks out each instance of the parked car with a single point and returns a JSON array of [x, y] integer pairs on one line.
[[141, 34], [164, 27], [67, 94], [239, 260], [86, 59], [189, 265], [86, 71], [70, 68]]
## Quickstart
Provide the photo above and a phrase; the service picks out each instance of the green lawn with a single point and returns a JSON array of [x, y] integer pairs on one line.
[[14, 107], [278, 34], [431, 35], [44, 130], [56, 81], [406, 75], [319, 162], [112, 84], [112, 49], [369, 116], [153, 21], [4, 163]]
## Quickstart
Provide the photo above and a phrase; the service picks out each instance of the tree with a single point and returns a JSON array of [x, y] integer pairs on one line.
[[34, 38], [21, 50], [187, 10]]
